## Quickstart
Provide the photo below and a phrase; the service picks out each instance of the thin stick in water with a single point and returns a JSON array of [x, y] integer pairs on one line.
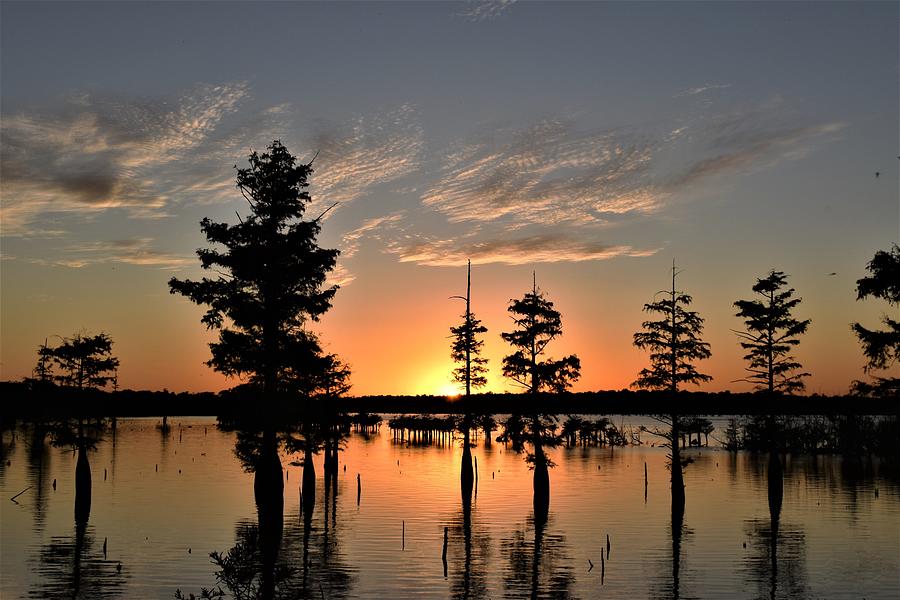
[[20, 493]]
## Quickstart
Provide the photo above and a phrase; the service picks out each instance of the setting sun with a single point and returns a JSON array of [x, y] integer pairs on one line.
[[449, 390]]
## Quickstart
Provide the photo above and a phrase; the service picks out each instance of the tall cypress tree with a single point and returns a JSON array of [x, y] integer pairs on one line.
[[771, 333], [674, 343], [270, 275], [465, 350], [537, 324], [270, 280]]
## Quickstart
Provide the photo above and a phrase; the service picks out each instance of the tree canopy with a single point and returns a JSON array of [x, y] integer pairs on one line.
[[537, 324], [84, 361], [771, 333], [673, 341], [881, 347], [270, 276], [465, 347]]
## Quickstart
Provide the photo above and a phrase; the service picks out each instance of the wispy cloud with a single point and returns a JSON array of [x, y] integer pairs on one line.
[[133, 251], [484, 10], [545, 248], [369, 228], [547, 174], [369, 151], [340, 276], [703, 88], [560, 188], [736, 144], [94, 153]]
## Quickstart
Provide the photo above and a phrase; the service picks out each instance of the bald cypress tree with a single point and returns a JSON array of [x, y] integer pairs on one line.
[[537, 324], [465, 350], [674, 343], [269, 274], [771, 332], [268, 281]]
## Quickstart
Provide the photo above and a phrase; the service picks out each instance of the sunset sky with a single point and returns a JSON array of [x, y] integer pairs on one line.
[[591, 143]]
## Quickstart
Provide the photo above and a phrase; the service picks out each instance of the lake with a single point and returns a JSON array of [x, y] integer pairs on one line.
[[163, 500]]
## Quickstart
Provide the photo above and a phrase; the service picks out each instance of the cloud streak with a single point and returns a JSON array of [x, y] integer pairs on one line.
[[95, 153], [550, 173], [542, 248], [370, 151], [694, 91], [484, 10], [133, 251]]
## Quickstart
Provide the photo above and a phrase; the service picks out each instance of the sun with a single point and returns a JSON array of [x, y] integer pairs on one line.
[[449, 390]]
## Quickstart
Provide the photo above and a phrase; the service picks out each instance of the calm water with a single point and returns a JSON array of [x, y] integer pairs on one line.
[[163, 502]]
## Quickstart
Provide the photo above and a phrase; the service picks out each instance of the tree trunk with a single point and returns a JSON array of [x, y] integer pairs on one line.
[[309, 481], [541, 479], [677, 474], [82, 484], [467, 474]]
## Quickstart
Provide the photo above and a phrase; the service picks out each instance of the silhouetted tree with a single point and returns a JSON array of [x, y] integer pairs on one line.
[[465, 350], [537, 323], [881, 347], [86, 361], [674, 344], [771, 332], [673, 341], [270, 276], [43, 370]]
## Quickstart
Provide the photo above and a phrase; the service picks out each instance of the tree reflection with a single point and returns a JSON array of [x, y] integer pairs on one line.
[[7, 444], [776, 561], [539, 567], [271, 560], [469, 563], [677, 529], [74, 567], [39, 472]]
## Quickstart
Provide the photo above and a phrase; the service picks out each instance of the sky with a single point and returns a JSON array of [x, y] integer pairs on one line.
[[587, 143]]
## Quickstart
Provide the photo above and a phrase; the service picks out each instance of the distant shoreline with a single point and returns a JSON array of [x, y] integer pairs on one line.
[[22, 402]]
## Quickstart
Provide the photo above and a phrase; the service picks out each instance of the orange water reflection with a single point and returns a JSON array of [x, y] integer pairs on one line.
[[170, 498]]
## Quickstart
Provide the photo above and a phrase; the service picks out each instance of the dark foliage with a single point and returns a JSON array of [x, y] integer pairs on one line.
[[270, 277], [771, 333], [84, 361], [881, 347], [537, 324], [465, 349], [673, 341]]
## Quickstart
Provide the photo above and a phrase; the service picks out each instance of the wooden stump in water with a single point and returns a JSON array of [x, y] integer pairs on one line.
[[444, 553]]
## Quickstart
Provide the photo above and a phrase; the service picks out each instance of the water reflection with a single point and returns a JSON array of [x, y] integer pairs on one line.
[[274, 546], [7, 445], [39, 473], [303, 559], [76, 567], [469, 554], [670, 585], [677, 530], [776, 561], [538, 562], [72, 567]]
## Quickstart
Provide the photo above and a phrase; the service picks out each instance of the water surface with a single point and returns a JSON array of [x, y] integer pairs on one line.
[[162, 501]]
